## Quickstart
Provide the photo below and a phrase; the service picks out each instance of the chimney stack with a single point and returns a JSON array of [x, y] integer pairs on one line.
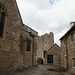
[[72, 24]]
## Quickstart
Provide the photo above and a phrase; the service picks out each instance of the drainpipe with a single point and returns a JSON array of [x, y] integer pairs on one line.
[[33, 53], [33, 48], [66, 54]]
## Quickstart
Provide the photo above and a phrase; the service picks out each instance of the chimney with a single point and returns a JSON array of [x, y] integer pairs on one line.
[[72, 24]]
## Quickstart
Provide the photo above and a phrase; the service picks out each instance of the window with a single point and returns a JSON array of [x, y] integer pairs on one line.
[[74, 62], [64, 41], [73, 37], [45, 44], [44, 53], [2, 18], [28, 45]]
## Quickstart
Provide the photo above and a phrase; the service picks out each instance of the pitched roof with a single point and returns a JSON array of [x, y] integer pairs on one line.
[[53, 46], [69, 31]]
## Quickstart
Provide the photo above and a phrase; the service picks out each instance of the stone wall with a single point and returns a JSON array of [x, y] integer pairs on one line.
[[13, 55], [10, 42], [71, 51], [29, 57]]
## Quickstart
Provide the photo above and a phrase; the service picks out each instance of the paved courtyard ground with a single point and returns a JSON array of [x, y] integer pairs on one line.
[[39, 70]]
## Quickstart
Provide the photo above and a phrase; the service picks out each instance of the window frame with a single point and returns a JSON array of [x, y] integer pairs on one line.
[[2, 20], [3, 11], [73, 36], [64, 41], [44, 53], [73, 62], [28, 45]]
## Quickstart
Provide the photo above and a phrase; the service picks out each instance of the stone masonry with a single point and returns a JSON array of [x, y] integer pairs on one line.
[[29, 57], [12, 55], [68, 48], [55, 50], [44, 43]]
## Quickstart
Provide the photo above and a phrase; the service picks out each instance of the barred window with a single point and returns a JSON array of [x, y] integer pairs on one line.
[[2, 18]]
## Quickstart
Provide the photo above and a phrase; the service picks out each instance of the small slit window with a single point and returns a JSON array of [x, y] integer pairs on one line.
[[64, 41], [44, 53], [2, 18]]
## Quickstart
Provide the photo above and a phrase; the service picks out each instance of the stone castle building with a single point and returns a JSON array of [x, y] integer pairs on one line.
[[44, 43], [68, 48], [18, 43], [20, 46]]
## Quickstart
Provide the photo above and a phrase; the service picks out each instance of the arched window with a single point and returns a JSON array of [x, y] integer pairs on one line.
[[2, 18]]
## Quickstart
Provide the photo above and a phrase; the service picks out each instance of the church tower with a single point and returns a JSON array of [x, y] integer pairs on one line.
[[10, 31]]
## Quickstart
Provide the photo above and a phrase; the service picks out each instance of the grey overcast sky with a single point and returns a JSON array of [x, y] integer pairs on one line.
[[47, 16]]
